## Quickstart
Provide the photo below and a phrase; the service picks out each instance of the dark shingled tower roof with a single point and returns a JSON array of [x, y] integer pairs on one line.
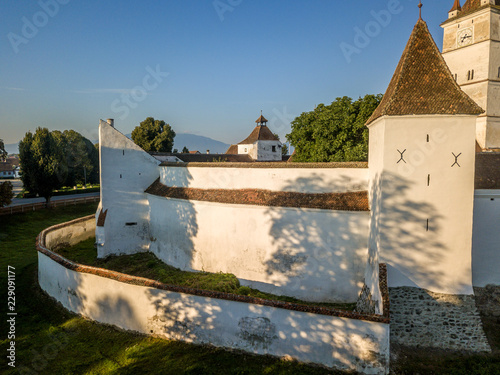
[[456, 6], [260, 133], [422, 83], [471, 5]]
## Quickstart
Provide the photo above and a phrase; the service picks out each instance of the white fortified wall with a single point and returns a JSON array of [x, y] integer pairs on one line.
[[126, 171], [486, 238], [302, 180], [311, 254]]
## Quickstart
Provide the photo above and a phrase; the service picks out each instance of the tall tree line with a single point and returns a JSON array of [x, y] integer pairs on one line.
[[51, 160]]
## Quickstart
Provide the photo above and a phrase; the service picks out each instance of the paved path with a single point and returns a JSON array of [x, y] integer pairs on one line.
[[20, 201]]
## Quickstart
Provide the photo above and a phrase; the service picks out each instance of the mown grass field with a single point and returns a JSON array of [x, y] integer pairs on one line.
[[50, 340]]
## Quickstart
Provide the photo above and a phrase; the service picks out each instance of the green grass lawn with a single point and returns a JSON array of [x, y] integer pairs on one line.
[[149, 266], [50, 340]]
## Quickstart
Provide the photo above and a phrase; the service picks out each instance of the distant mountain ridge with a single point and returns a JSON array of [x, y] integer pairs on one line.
[[197, 143], [12, 148], [192, 141]]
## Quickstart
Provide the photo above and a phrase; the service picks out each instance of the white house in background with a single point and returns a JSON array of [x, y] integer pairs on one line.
[[260, 145], [9, 168]]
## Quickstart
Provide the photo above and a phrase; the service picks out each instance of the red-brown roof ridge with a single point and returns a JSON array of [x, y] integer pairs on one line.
[[422, 83], [261, 120], [260, 133], [456, 6]]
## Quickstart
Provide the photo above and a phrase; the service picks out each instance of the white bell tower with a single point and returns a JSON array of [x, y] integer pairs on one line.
[[471, 48]]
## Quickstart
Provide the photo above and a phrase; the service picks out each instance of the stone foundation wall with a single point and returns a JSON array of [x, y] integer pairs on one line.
[[365, 303], [426, 319]]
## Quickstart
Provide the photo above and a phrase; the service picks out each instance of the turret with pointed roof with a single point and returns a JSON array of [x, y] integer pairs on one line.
[[422, 83], [456, 6], [421, 159], [261, 144]]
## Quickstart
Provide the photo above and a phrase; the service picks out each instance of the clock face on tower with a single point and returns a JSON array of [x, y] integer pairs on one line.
[[464, 37]]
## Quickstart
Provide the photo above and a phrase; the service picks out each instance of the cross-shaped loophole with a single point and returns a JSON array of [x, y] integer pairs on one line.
[[456, 159], [401, 153]]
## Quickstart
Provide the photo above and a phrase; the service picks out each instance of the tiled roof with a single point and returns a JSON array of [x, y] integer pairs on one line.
[[456, 6], [101, 219], [260, 133], [261, 120], [471, 5], [351, 201], [233, 149], [422, 83], [487, 170], [6, 167]]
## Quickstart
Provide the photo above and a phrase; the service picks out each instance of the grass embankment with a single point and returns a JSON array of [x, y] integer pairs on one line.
[[149, 266], [50, 340]]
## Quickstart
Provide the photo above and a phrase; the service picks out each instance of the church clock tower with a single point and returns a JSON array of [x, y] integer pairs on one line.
[[471, 48]]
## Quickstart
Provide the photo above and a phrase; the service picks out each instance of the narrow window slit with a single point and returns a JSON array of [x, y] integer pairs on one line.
[[428, 180]]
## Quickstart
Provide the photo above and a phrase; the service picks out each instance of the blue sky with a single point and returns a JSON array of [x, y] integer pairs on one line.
[[206, 67]]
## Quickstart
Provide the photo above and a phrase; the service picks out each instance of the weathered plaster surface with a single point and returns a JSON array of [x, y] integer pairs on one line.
[[311, 254], [333, 341], [302, 180], [126, 171], [426, 187]]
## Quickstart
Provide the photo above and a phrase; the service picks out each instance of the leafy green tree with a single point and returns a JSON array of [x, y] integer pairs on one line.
[[3, 153], [334, 133], [82, 158], [43, 162], [284, 150], [185, 150], [5, 193], [154, 135]]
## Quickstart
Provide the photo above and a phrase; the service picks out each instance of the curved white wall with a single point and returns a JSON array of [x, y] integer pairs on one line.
[[335, 340]]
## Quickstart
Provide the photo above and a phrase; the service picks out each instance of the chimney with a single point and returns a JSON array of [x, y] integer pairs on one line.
[[111, 122], [208, 152]]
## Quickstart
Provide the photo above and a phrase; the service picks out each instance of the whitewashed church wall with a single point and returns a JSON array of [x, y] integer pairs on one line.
[[335, 342], [424, 221], [302, 180], [126, 171], [486, 238], [311, 254]]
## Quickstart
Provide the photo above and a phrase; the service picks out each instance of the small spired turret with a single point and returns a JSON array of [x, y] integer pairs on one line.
[[261, 144], [456, 10]]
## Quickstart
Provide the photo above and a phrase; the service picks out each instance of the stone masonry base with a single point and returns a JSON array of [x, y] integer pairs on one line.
[[425, 319]]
